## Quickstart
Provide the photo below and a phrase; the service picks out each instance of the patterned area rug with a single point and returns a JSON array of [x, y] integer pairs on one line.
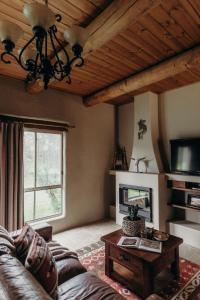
[[187, 288]]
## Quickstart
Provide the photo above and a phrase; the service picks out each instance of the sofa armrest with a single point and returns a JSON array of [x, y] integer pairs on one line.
[[43, 229]]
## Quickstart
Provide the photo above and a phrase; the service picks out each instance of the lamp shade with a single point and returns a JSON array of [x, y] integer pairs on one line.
[[29, 53], [10, 31], [39, 15], [76, 35]]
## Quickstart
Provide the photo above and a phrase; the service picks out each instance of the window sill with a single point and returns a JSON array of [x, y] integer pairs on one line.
[[48, 220]]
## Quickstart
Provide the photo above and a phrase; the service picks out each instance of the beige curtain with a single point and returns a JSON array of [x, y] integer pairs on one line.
[[11, 175]]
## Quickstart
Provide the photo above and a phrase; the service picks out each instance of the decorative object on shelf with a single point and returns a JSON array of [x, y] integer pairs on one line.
[[120, 159], [146, 164], [44, 56], [160, 236], [142, 129], [137, 162], [147, 233], [193, 200], [132, 225]]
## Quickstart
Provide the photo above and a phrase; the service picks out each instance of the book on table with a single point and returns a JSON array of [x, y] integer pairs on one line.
[[140, 243]]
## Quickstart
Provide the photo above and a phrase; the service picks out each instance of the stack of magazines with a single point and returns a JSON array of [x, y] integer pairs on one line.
[[140, 243]]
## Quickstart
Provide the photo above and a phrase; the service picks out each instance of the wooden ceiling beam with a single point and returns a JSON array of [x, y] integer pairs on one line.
[[169, 68], [118, 16]]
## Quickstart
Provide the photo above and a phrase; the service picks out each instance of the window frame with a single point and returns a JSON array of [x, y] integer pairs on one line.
[[34, 189]]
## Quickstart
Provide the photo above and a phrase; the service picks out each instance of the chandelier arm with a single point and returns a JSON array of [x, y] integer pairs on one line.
[[77, 58], [55, 53], [9, 54], [61, 46], [22, 51], [56, 67]]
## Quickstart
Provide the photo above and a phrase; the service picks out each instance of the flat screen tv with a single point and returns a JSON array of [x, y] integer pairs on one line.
[[185, 156]]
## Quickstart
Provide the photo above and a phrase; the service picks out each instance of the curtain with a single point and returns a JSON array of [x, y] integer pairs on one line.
[[11, 175]]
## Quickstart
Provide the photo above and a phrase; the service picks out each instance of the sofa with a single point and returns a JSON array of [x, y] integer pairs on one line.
[[74, 282]]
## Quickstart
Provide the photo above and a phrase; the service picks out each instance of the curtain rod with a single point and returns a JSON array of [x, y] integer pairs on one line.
[[30, 121]]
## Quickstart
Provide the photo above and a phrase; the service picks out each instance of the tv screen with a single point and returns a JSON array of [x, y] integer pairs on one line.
[[185, 156]]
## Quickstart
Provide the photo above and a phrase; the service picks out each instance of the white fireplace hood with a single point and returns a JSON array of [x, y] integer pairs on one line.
[[146, 135]]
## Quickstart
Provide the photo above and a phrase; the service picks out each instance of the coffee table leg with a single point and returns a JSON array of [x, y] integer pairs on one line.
[[108, 261], [175, 265], [148, 281]]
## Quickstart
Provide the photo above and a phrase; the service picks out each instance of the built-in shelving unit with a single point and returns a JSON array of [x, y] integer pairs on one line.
[[181, 187]]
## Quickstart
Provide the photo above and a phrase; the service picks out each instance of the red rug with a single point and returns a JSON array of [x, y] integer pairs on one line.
[[186, 288]]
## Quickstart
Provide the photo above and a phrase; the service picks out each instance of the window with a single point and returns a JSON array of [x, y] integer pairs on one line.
[[43, 174]]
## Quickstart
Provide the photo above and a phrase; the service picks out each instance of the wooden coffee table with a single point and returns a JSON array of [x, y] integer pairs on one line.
[[137, 269]]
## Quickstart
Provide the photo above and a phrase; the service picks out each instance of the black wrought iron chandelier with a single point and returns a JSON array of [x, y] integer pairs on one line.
[[44, 56]]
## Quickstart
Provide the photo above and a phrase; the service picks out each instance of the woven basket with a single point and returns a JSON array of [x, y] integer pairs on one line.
[[132, 228]]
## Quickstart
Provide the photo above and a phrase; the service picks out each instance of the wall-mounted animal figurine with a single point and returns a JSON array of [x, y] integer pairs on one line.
[[142, 128]]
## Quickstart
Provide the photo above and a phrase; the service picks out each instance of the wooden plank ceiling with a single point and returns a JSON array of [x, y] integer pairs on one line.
[[167, 30]]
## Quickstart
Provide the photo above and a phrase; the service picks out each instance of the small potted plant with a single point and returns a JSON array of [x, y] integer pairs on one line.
[[132, 225]]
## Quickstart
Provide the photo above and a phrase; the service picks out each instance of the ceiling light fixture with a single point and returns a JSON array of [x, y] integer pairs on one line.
[[44, 56]]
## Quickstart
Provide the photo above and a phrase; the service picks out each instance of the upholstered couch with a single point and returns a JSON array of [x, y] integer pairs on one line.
[[74, 282]]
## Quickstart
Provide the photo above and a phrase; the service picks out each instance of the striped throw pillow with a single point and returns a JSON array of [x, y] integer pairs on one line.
[[41, 264], [23, 242]]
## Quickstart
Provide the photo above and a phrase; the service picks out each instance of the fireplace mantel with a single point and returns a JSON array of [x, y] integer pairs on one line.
[[114, 172]]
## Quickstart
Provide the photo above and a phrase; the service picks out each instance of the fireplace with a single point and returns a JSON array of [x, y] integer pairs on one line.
[[133, 195]]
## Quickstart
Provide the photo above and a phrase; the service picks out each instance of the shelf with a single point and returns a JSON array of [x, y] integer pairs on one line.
[[181, 177], [194, 191], [187, 230], [186, 224], [112, 172], [184, 207]]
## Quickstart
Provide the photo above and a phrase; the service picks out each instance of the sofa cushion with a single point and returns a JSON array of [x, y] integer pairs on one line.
[[68, 268], [41, 264], [23, 242], [16, 283], [6, 242], [87, 286], [67, 262]]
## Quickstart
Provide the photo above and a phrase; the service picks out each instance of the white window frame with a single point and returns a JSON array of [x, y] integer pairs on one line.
[[36, 130]]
